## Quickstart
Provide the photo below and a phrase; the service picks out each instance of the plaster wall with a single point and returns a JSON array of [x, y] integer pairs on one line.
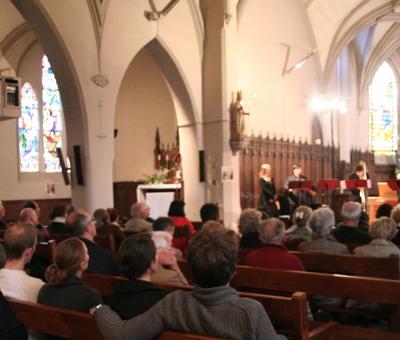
[[13, 184]]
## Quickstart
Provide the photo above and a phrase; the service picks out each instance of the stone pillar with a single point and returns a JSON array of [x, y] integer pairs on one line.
[[219, 81]]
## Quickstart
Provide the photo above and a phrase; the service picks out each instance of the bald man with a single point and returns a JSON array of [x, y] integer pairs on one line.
[[272, 254]]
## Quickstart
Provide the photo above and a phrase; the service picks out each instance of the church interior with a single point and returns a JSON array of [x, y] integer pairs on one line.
[[107, 102]]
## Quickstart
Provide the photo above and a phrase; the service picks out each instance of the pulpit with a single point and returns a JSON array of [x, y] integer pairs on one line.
[[158, 197]]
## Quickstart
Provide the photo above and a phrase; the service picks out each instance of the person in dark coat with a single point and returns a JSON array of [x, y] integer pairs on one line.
[[267, 192], [10, 327], [137, 256], [101, 261], [64, 288]]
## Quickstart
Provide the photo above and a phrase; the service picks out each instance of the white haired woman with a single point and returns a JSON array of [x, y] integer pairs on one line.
[[382, 232], [321, 222]]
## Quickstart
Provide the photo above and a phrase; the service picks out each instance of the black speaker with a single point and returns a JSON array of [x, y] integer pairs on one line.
[[202, 170], [78, 165], [64, 169]]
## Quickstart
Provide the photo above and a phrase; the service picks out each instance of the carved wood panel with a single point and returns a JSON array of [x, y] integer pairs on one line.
[[281, 154]]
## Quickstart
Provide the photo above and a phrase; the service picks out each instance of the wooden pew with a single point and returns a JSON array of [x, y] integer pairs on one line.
[[343, 286], [73, 325], [387, 268], [46, 251], [106, 241], [288, 314]]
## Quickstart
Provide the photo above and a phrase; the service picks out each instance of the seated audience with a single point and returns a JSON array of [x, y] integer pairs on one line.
[[3, 255], [10, 327], [3, 223], [347, 231], [29, 216], [100, 260], [273, 254], [212, 258], [384, 210], [139, 213], [64, 287], [104, 227], [300, 229], [209, 212], [41, 227], [321, 222], [137, 258], [163, 233], [395, 215], [167, 269], [57, 217], [114, 216], [176, 213], [249, 226], [382, 231], [20, 244]]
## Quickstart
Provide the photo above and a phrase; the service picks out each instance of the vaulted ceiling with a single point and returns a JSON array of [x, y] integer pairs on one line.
[[371, 28]]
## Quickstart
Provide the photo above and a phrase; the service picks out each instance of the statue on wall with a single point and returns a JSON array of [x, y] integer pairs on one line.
[[237, 122], [237, 115]]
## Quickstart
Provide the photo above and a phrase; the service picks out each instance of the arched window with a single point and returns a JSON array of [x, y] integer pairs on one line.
[[29, 131], [52, 118], [39, 154], [383, 111]]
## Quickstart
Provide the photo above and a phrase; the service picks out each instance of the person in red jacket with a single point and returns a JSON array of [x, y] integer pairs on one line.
[[176, 213], [272, 254]]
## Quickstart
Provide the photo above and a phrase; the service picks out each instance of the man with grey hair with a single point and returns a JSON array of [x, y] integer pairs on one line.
[[3, 224], [347, 231], [322, 222], [83, 226], [139, 212], [272, 254]]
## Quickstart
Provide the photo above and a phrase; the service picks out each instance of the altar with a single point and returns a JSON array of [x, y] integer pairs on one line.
[[158, 197]]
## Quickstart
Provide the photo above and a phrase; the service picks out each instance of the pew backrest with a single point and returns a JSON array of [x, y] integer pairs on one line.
[[387, 268], [288, 314], [73, 325]]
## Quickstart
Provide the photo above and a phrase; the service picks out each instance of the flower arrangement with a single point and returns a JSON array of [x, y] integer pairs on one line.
[[159, 177]]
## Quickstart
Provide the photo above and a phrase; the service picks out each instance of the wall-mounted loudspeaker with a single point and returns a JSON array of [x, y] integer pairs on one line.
[[78, 165], [64, 169], [202, 170]]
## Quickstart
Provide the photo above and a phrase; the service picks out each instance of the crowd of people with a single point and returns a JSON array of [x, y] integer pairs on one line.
[[149, 251]]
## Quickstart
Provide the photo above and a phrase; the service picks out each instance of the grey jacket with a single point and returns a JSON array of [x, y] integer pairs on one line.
[[217, 311]]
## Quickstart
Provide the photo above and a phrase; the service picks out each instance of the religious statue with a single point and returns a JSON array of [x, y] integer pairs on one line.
[[237, 115]]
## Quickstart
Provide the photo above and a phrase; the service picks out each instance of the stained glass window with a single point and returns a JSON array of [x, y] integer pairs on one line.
[[383, 111], [52, 118], [29, 131]]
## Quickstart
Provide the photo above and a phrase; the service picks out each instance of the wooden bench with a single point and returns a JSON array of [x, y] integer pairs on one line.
[[46, 251], [387, 268], [73, 325], [106, 241], [288, 314], [381, 291]]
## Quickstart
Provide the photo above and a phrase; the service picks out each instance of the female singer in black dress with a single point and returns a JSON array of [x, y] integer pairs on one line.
[[267, 192]]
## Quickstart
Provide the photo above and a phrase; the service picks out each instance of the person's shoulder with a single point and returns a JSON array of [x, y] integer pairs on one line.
[[33, 281], [248, 305]]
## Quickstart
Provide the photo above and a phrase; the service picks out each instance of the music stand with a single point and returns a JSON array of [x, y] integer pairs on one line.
[[394, 184], [327, 185], [355, 184], [301, 187]]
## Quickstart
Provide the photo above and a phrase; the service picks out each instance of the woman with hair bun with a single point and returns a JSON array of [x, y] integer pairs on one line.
[[64, 287]]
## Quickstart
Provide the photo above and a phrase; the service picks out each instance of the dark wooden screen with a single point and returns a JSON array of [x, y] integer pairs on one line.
[[281, 154]]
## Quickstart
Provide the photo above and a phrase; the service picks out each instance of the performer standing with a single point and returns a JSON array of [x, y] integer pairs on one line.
[[267, 195], [360, 173]]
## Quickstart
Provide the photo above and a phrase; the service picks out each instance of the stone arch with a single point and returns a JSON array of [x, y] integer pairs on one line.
[[179, 92], [67, 79]]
